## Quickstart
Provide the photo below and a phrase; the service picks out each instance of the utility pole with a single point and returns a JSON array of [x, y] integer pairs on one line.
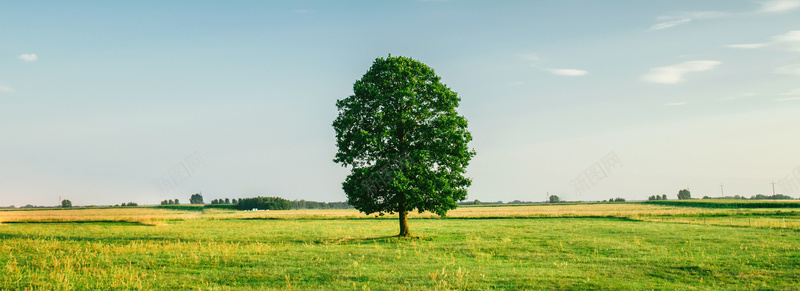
[[721, 191], [773, 188]]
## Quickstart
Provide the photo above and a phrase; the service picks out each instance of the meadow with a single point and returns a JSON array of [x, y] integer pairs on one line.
[[573, 246]]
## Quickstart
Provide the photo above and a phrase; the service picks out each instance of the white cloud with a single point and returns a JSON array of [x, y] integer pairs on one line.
[[675, 103], [788, 99], [795, 92], [28, 57], [668, 24], [530, 57], [778, 6], [5, 89], [789, 41], [748, 45], [668, 21], [568, 72], [789, 70], [674, 74]]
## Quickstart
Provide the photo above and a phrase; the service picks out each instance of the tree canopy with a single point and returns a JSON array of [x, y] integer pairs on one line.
[[684, 194], [405, 141]]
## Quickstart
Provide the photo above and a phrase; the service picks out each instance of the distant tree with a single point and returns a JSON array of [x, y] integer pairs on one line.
[[196, 198], [554, 199], [684, 194], [264, 203], [164, 202], [227, 201], [233, 201], [177, 201], [618, 199], [663, 196], [477, 202], [405, 141], [771, 197], [66, 203]]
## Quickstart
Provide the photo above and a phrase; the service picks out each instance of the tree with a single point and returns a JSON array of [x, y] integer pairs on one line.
[[177, 201], [684, 194], [264, 203], [66, 203], [554, 199], [227, 201], [195, 199], [402, 136], [663, 196]]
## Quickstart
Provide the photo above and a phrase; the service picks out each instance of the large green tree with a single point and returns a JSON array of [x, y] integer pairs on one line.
[[405, 141]]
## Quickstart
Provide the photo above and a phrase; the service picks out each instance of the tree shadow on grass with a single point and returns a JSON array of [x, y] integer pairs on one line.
[[372, 240]]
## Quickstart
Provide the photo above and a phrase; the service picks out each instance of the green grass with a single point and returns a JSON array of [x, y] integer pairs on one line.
[[729, 204], [474, 254]]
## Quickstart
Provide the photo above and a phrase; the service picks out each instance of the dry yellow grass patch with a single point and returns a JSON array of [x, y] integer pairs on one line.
[[135, 214]]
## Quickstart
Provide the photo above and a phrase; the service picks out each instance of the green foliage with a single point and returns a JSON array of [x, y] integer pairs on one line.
[[128, 204], [186, 207], [771, 197], [196, 198], [221, 206], [657, 197], [304, 204], [66, 203], [264, 203], [719, 203], [684, 194], [405, 141], [618, 199], [554, 199]]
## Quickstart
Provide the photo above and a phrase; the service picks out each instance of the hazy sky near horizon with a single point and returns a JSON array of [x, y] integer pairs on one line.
[[109, 102]]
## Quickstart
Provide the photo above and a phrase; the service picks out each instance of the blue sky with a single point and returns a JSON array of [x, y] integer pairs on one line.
[[142, 101]]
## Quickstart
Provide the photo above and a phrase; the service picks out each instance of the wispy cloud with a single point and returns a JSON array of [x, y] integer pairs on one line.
[[568, 72], [5, 89], [795, 92], [669, 23], [789, 41], [28, 57], [779, 6], [748, 45], [675, 103], [530, 57], [674, 74], [767, 7], [789, 70]]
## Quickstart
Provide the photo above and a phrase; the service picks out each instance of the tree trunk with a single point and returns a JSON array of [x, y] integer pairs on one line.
[[404, 232]]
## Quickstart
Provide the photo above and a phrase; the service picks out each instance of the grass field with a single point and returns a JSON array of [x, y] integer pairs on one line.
[[583, 246]]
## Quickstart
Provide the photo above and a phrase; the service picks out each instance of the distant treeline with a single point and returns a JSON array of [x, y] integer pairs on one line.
[[274, 203], [478, 202], [756, 197], [718, 203]]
